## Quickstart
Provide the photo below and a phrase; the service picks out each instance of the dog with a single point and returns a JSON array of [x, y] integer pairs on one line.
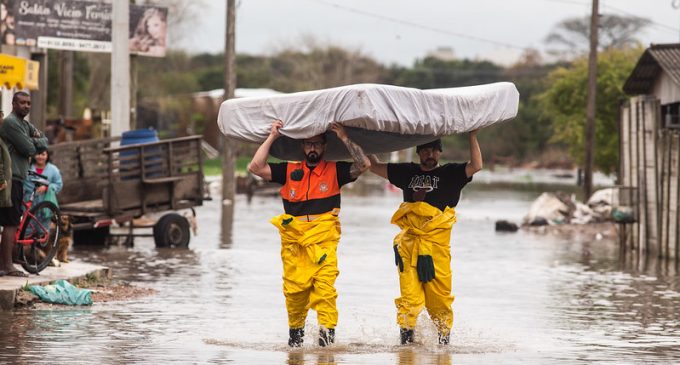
[[65, 238]]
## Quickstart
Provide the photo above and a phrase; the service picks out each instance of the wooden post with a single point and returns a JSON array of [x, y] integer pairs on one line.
[[675, 222], [651, 174], [673, 151], [228, 148], [590, 107], [635, 175], [664, 190], [624, 169]]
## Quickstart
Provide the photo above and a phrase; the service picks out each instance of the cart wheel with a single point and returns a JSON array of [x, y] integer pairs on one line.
[[172, 230]]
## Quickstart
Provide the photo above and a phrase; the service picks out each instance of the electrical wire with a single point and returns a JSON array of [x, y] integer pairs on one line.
[[420, 26]]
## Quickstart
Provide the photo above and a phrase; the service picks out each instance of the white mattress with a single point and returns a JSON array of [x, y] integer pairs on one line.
[[380, 118]]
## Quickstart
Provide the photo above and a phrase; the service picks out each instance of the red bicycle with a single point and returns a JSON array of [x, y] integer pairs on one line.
[[38, 231]]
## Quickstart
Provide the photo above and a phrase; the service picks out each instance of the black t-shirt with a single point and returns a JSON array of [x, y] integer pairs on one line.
[[439, 187], [279, 172]]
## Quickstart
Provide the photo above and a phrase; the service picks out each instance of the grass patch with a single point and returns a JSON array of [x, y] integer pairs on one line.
[[213, 167]]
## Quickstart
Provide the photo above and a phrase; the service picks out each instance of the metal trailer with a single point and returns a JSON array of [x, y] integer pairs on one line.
[[109, 185]]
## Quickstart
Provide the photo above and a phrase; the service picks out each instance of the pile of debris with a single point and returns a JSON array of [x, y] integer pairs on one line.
[[562, 208]]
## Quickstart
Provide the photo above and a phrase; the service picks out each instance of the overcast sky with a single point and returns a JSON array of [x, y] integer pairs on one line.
[[399, 31]]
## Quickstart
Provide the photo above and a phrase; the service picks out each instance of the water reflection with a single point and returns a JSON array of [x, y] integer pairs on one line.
[[227, 230], [408, 356], [299, 358], [15, 335], [143, 263], [609, 303]]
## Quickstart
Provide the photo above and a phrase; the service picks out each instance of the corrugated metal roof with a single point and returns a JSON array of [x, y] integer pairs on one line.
[[656, 58]]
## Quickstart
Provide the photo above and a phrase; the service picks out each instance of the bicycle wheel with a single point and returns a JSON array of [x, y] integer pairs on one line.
[[39, 236]]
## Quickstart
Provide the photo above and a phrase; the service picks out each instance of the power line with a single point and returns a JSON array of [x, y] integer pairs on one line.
[[420, 26]]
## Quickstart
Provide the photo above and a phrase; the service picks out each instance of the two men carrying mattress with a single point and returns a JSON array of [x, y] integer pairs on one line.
[[310, 229]]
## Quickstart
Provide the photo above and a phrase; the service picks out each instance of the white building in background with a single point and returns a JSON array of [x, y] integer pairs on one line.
[[443, 53], [239, 93]]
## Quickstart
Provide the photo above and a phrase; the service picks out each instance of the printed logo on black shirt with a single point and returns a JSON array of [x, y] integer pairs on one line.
[[421, 185], [423, 182]]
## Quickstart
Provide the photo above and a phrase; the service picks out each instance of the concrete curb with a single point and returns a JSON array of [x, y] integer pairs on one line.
[[10, 285]]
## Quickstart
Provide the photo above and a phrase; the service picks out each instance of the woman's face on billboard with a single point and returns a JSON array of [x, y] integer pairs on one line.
[[155, 27]]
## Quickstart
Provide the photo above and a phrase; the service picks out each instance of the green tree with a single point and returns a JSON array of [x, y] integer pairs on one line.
[[432, 73], [565, 103]]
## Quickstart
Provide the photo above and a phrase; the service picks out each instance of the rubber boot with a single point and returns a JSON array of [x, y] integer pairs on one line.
[[444, 338], [326, 336], [406, 336], [296, 337]]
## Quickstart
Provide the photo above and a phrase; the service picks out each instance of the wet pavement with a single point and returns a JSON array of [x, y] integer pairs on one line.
[[520, 298]]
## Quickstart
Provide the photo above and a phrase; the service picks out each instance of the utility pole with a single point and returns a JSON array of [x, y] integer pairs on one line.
[[675, 4], [228, 155], [134, 64], [120, 68], [590, 107], [134, 85]]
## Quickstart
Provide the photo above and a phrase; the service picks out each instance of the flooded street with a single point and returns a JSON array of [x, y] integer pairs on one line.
[[520, 298]]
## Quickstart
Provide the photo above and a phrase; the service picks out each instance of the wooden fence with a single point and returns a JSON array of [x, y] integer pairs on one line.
[[649, 167]]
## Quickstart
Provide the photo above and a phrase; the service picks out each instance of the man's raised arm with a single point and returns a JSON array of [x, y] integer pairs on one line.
[[377, 167], [258, 165], [475, 163], [361, 162]]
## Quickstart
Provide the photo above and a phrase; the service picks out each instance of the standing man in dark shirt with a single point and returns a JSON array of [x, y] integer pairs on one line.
[[422, 250], [22, 139], [310, 228]]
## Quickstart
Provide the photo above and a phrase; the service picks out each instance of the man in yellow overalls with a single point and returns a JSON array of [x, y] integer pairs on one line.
[[310, 228], [422, 249]]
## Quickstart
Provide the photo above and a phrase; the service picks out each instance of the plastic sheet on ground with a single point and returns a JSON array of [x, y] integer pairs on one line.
[[62, 292], [380, 118], [602, 203]]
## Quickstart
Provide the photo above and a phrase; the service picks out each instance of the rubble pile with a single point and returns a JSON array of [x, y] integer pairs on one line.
[[562, 208]]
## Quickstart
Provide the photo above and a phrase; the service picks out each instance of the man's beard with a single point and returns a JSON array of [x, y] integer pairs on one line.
[[429, 163], [313, 157]]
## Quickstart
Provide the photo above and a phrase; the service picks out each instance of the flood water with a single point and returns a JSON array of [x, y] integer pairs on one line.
[[520, 298]]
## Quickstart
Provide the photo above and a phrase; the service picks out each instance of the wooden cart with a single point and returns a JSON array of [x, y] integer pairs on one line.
[[107, 184]]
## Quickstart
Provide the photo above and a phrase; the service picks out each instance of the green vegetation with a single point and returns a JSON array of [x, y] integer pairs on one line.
[[213, 167], [564, 102]]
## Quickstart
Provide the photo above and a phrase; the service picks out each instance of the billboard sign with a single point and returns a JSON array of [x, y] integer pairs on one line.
[[79, 25]]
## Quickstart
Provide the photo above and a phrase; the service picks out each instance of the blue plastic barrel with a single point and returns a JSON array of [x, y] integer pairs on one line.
[[140, 136]]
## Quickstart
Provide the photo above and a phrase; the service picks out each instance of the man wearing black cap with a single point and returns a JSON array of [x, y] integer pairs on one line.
[[22, 139], [422, 250]]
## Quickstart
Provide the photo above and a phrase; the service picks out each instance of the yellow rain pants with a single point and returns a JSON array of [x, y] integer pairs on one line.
[[425, 230], [310, 267]]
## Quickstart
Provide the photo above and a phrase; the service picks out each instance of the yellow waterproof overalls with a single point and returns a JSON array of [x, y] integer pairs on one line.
[[309, 243], [425, 230]]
